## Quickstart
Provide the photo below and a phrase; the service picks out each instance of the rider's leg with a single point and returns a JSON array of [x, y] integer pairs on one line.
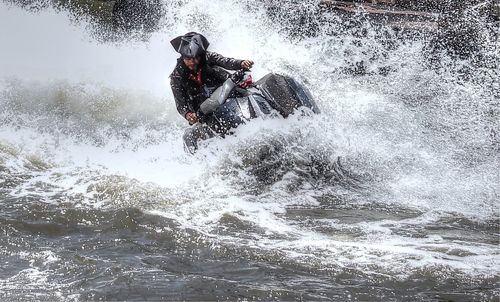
[[194, 134]]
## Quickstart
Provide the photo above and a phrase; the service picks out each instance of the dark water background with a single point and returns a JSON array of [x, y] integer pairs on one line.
[[391, 194]]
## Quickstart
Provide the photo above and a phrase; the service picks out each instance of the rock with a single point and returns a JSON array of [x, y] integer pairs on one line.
[[142, 15], [297, 18], [461, 29]]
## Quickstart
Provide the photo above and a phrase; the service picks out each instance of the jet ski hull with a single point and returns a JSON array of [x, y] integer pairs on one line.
[[272, 93]]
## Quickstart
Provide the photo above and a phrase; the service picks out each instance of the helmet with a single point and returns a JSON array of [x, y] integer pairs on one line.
[[190, 45]]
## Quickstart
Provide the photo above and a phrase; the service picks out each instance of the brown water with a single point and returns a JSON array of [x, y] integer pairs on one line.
[[390, 194]]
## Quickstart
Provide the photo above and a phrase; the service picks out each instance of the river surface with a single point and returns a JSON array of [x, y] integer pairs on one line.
[[390, 194]]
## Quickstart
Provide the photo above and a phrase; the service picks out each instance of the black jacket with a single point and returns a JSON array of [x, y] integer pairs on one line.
[[187, 93]]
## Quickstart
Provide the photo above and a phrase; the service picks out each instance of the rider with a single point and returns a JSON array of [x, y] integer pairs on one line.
[[197, 72]]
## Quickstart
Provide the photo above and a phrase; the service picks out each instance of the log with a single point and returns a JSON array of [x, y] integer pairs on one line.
[[376, 9]]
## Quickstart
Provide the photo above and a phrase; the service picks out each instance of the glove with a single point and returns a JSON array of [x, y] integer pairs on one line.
[[237, 76]]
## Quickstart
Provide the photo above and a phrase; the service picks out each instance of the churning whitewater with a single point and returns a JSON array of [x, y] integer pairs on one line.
[[391, 193]]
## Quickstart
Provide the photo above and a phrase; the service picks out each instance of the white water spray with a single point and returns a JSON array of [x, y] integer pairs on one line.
[[102, 116]]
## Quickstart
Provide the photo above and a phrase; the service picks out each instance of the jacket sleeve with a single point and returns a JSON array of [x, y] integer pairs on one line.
[[180, 96], [214, 58]]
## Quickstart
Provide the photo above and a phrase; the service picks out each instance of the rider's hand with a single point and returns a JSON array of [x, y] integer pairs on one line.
[[237, 76], [246, 64], [192, 118]]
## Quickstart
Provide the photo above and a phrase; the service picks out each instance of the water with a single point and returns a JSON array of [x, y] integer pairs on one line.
[[391, 193]]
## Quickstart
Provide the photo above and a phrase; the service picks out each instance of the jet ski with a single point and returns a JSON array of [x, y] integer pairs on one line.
[[240, 100]]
